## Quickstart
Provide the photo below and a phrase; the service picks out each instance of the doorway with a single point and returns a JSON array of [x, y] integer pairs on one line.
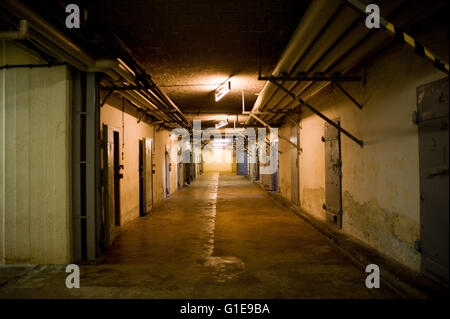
[[242, 168], [167, 169], [333, 174], [294, 156], [117, 177], [145, 176], [180, 175], [111, 184]]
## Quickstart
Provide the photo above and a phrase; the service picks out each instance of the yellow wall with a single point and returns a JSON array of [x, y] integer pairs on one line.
[[380, 183], [35, 161], [35, 171], [132, 133], [218, 160]]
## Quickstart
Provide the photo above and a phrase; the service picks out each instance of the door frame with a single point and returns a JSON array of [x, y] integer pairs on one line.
[[143, 174], [110, 227], [167, 170], [295, 167]]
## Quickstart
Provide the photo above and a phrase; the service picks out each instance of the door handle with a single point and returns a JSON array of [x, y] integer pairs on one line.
[[438, 171]]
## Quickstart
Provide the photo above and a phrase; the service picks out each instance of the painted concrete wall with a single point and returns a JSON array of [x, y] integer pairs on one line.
[[380, 183], [129, 135], [35, 162], [219, 160]]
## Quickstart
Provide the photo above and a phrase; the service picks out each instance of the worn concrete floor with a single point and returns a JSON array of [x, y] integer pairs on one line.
[[221, 237]]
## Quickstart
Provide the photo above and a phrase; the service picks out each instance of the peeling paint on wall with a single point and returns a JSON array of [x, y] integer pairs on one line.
[[386, 231], [312, 200], [380, 183]]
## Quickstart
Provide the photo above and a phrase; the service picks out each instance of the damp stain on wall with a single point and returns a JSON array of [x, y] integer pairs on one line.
[[312, 200], [385, 230]]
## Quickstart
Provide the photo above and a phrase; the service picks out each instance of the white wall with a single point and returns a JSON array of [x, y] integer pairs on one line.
[[35, 162]]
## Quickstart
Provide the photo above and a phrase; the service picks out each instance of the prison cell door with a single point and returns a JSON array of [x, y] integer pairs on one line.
[[294, 166], [178, 175], [274, 177], [242, 168], [333, 175], [257, 165], [432, 119], [145, 176], [142, 211], [108, 184], [167, 171], [117, 177]]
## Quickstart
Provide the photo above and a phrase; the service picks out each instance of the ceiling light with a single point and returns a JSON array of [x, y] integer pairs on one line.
[[222, 124], [222, 90]]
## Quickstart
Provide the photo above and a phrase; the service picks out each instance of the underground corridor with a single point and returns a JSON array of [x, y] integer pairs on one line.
[[209, 241], [254, 149]]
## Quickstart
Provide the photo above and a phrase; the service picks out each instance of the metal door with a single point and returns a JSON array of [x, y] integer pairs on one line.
[[108, 183], [147, 174], [333, 175], [179, 170], [432, 119], [117, 177], [167, 171], [257, 166], [142, 209], [294, 166], [242, 168], [180, 175]]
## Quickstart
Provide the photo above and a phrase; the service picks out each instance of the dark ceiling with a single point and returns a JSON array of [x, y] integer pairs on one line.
[[190, 47]]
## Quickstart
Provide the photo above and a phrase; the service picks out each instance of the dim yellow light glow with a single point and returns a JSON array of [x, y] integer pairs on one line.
[[221, 124], [223, 90]]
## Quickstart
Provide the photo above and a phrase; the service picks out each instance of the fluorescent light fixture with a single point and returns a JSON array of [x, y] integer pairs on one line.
[[221, 124], [222, 90]]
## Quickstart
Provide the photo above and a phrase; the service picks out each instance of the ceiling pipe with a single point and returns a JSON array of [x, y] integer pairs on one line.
[[20, 34], [60, 45], [108, 66], [338, 48], [340, 21], [315, 18], [135, 100], [22, 11], [350, 49]]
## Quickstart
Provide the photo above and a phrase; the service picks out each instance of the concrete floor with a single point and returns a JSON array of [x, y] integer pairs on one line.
[[221, 237]]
